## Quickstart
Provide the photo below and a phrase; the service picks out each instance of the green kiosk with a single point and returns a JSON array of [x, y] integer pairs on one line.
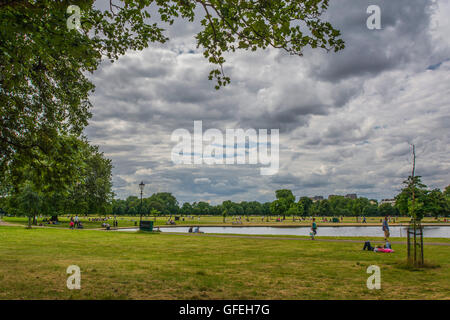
[[146, 226]]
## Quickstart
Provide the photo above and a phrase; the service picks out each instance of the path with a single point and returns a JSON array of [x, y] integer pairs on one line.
[[8, 224]]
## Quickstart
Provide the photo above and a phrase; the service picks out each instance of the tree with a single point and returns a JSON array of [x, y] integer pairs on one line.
[[169, 204], [85, 188], [29, 202], [91, 192], [435, 203], [414, 194], [278, 207], [186, 209], [386, 209], [286, 199], [155, 213], [403, 201], [266, 210], [296, 209], [306, 204], [447, 191], [446, 194], [324, 207]]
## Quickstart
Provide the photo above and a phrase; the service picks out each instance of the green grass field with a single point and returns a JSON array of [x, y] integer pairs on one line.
[[208, 220], [122, 265]]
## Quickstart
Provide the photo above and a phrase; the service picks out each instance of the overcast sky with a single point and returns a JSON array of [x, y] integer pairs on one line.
[[347, 120]]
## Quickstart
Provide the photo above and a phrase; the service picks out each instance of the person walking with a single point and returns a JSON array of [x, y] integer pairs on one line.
[[313, 228], [386, 228]]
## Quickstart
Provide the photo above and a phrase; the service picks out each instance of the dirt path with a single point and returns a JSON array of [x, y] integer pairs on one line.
[[8, 224]]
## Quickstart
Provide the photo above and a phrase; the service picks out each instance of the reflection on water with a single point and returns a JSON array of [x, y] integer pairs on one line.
[[372, 231], [430, 232]]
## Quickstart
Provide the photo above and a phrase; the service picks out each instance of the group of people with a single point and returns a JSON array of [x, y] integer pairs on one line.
[[75, 223], [387, 246], [194, 230], [107, 226], [98, 219], [49, 221], [367, 246]]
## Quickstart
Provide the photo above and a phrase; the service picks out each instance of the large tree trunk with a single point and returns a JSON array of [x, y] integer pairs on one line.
[[29, 222]]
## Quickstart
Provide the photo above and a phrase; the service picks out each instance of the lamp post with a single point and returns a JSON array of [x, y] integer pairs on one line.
[[141, 186]]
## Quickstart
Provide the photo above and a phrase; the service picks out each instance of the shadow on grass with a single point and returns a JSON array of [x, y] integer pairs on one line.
[[148, 232], [406, 265]]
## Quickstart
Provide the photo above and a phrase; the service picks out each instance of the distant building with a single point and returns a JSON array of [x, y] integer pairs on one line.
[[316, 198], [351, 196], [390, 201]]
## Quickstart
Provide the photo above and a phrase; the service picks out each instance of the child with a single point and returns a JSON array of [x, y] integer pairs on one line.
[[71, 224], [387, 245]]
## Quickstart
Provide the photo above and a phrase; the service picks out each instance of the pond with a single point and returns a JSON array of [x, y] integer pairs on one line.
[[344, 231]]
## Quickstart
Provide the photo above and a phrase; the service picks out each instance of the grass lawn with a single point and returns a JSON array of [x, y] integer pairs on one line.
[[122, 265]]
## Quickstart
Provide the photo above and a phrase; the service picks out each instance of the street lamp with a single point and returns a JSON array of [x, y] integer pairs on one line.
[[141, 186]]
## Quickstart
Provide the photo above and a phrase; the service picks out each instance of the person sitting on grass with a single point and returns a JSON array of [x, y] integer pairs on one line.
[[378, 248], [197, 230], [367, 246], [387, 245]]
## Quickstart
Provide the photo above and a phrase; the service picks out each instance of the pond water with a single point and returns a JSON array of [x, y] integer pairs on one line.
[[344, 231]]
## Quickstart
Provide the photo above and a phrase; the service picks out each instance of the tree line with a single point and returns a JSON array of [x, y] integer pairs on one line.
[[430, 202], [90, 193]]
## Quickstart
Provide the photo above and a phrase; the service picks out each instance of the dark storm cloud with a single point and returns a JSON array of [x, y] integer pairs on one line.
[[404, 38], [285, 179]]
